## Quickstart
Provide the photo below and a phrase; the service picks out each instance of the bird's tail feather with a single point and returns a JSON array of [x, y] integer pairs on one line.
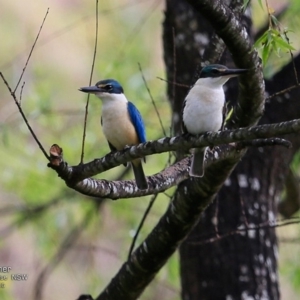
[[139, 175], [197, 167]]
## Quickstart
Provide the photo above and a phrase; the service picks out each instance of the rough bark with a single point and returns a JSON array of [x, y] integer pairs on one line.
[[79, 177]]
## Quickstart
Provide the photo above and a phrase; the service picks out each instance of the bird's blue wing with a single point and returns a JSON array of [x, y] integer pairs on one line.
[[137, 122]]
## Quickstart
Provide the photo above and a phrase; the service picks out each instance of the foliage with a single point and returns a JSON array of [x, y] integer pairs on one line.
[[60, 65], [274, 39], [280, 22]]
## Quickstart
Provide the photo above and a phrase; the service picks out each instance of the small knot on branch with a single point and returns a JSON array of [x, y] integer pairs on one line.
[[56, 155]]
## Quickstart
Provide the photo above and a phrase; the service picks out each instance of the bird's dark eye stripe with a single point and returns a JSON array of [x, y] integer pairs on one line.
[[215, 71], [107, 87]]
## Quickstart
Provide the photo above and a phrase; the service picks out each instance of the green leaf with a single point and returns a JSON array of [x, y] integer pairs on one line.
[[261, 41], [283, 44], [266, 53], [228, 116], [260, 3], [274, 20], [245, 4]]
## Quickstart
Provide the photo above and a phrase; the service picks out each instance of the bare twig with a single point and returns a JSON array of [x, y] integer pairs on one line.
[[8, 230], [175, 83], [269, 14], [152, 200], [243, 212], [167, 195], [292, 58], [90, 81], [295, 240], [152, 100], [30, 53], [21, 93], [267, 224], [278, 15], [134, 32], [64, 248], [68, 28], [283, 91], [13, 92], [26, 210], [24, 117], [215, 219], [175, 65]]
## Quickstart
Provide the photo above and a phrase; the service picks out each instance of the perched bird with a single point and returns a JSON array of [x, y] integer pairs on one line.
[[121, 122], [203, 108]]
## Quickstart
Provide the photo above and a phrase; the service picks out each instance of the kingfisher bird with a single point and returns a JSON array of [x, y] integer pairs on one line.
[[203, 108], [121, 122]]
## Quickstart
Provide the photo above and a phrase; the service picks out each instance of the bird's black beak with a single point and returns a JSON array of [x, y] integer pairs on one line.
[[233, 72], [90, 89]]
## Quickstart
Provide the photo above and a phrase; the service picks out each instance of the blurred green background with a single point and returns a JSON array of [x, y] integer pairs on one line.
[[38, 212]]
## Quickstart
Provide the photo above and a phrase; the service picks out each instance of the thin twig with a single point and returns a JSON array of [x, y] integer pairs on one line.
[[134, 32], [24, 117], [152, 100], [215, 219], [167, 195], [292, 58], [174, 64], [8, 230], [269, 14], [243, 212], [90, 82], [175, 83], [267, 224], [295, 240], [152, 200], [27, 210], [31, 50], [65, 246], [18, 103], [278, 15], [21, 93], [171, 153], [69, 27], [283, 91]]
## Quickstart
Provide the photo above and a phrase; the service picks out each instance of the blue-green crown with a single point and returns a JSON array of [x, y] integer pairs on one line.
[[213, 71]]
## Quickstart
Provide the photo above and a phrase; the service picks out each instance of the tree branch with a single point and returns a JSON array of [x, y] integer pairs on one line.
[[77, 177], [191, 199], [173, 227]]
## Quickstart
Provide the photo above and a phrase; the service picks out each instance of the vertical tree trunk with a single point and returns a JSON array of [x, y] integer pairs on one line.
[[236, 264], [223, 258]]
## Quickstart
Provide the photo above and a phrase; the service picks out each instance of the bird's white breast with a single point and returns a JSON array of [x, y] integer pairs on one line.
[[203, 110], [116, 123]]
